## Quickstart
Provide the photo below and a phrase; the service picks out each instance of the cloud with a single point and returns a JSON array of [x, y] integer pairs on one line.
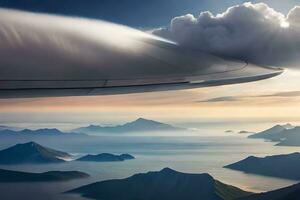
[[241, 98], [252, 32], [221, 99], [37, 46], [283, 94]]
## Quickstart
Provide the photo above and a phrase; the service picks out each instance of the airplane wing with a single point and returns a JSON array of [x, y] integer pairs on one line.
[[44, 55]]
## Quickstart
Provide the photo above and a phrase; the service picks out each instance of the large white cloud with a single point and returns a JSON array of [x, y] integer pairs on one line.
[[253, 32]]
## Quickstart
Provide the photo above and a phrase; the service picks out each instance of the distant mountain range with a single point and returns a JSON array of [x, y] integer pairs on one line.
[[139, 125], [35, 133], [31, 152], [166, 184], [2, 127], [17, 176], [285, 135], [106, 157], [282, 166], [287, 193]]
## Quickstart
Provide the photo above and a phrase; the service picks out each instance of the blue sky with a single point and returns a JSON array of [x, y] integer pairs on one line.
[[136, 13]]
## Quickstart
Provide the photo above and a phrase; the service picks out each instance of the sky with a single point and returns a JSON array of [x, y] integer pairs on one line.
[[275, 100], [135, 13]]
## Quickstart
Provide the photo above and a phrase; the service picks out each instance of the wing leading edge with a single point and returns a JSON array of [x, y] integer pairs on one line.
[[31, 89], [48, 56]]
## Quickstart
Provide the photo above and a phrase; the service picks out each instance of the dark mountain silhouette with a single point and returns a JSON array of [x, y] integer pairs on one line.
[[17, 176], [287, 193], [106, 157], [283, 166], [31, 152], [166, 184], [139, 125]]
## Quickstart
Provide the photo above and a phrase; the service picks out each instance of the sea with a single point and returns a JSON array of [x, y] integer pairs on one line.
[[196, 150]]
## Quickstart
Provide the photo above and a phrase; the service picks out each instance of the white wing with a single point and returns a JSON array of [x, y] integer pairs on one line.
[[44, 55]]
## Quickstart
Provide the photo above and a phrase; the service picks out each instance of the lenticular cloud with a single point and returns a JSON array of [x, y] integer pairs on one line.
[[252, 32]]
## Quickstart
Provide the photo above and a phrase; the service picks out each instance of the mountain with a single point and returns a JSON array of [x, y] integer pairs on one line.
[[139, 125], [17, 176], [286, 135], [288, 126], [166, 184], [291, 137], [31, 152], [274, 134], [106, 157], [2, 127], [29, 132], [38, 135], [287, 193], [282, 166]]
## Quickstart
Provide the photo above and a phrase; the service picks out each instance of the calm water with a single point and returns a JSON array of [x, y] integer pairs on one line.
[[194, 154]]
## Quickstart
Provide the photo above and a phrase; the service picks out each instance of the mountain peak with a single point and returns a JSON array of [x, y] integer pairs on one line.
[[138, 125], [288, 126], [168, 170], [31, 152], [30, 144], [143, 120], [166, 184]]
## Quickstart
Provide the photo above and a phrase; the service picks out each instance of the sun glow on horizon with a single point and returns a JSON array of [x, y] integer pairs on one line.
[[285, 24]]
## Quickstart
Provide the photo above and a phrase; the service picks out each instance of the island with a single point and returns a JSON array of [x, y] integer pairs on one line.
[[106, 157], [284, 135], [281, 166], [166, 184], [33, 153], [275, 133], [17, 176], [139, 125]]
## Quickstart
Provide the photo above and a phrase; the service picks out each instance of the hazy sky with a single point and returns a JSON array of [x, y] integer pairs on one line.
[[276, 99], [135, 13]]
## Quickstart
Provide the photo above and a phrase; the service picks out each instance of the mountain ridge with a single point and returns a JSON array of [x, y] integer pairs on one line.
[[287, 165], [166, 184], [31, 152], [106, 157], [284, 135], [19, 176], [140, 124]]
